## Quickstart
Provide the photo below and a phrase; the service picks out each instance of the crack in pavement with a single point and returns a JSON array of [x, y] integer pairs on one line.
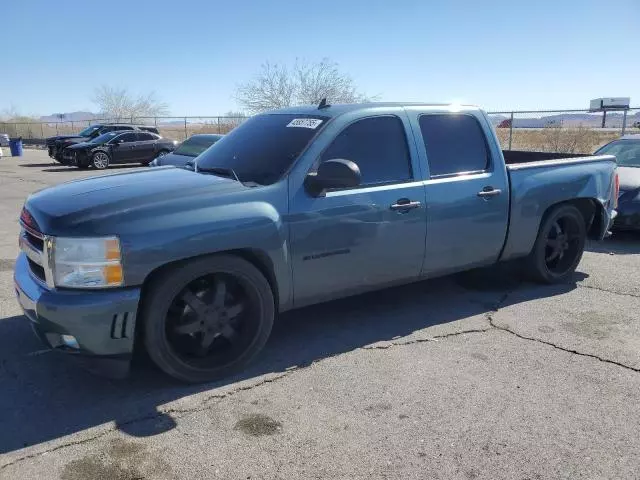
[[177, 413], [592, 287], [564, 349], [173, 412], [204, 405], [435, 338]]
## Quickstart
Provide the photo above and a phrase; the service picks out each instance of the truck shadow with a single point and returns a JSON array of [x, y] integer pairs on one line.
[[620, 243], [46, 396]]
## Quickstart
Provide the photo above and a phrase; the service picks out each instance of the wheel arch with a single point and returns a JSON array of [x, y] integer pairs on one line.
[[591, 210], [257, 258]]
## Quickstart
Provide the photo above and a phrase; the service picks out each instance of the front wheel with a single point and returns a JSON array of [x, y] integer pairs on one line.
[[207, 318], [100, 160], [559, 245]]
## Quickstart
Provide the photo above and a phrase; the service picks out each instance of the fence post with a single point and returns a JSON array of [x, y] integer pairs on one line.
[[624, 122], [155, 121], [604, 118], [72, 126], [510, 130], [42, 130], [219, 129], [185, 128], [56, 128]]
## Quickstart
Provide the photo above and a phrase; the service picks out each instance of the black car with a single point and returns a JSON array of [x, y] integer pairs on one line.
[[188, 150], [118, 147], [627, 153], [56, 145]]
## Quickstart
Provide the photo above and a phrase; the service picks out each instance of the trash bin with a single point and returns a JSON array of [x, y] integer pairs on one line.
[[15, 145]]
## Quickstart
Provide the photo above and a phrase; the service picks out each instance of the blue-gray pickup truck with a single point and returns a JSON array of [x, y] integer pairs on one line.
[[293, 207]]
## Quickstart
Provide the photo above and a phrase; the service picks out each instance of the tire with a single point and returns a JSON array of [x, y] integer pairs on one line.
[[165, 311], [559, 246], [100, 160]]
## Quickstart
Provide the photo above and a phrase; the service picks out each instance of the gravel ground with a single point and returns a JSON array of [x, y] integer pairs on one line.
[[478, 376]]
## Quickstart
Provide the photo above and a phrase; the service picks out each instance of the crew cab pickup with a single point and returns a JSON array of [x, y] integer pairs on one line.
[[294, 207]]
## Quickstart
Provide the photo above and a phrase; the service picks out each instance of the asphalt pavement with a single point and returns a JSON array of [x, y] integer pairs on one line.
[[475, 376]]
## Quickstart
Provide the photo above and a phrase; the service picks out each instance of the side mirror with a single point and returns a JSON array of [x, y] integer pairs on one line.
[[115, 143], [335, 173]]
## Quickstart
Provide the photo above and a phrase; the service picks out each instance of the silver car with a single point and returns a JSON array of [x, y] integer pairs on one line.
[[4, 140]]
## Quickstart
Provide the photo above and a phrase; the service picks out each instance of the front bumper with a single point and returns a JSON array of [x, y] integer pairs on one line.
[[102, 321]]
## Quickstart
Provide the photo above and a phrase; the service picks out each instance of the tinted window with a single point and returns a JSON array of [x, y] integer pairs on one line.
[[105, 137], [194, 146], [378, 146], [127, 137], [262, 148], [87, 132], [150, 129], [123, 127], [627, 152], [144, 136], [454, 144]]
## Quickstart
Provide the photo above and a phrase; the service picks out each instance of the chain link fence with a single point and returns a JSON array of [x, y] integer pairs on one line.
[[567, 131], [175, 128]]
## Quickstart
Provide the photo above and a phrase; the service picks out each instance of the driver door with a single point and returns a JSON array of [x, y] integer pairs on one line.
[[361, 238]]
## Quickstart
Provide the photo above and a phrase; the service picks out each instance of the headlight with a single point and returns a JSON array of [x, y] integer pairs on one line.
[[87, 262]]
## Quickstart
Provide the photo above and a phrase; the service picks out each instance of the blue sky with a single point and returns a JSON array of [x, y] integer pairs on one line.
[[497, 54]]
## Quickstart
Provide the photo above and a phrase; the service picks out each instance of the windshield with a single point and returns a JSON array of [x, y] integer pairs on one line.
[[194, 146], [627, 152], [262, 148], [88, 131], [105, 137]]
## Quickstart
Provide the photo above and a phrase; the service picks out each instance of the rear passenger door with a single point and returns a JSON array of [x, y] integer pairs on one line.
[[145, 147], [124, 152], [467, 192]]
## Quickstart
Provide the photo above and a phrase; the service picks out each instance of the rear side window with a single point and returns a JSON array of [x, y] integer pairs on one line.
[[144, 136], [378, 145], [127, 137], [455, 144], [149, 129]]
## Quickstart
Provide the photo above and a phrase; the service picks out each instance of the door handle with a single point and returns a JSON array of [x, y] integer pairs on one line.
[[489, 192], [404, 204]]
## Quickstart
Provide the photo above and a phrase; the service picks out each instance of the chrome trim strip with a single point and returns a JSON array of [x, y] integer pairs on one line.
[[31, 231], [30, 251]]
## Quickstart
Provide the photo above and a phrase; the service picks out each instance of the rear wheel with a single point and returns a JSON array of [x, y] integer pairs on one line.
[[559, 245], [207, 318], [100, 160]]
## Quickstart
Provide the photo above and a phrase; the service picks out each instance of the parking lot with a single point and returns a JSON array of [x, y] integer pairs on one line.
[[476, 376]]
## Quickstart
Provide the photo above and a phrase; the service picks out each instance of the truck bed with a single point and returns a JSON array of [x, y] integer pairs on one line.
[[540, 179], [512, 157]]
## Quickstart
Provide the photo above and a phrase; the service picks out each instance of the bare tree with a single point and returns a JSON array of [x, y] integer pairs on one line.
[[278, 86], [118, 103]]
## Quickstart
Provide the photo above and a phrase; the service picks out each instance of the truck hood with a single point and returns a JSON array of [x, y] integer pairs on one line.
[[629, 178], [93, 205]]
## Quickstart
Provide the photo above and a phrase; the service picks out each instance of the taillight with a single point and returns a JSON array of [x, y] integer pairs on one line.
[[616, 191]]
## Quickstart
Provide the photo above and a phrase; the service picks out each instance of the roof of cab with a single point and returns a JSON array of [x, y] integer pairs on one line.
[[340, 109]]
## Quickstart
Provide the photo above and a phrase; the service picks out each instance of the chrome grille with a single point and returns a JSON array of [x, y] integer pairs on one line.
[[34, 245]]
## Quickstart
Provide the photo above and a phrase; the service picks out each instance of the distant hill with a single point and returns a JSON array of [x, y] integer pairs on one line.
[[70, 117], [529, 120]]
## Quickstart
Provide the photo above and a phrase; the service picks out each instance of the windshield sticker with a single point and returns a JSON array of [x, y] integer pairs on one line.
[[311, 123]]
